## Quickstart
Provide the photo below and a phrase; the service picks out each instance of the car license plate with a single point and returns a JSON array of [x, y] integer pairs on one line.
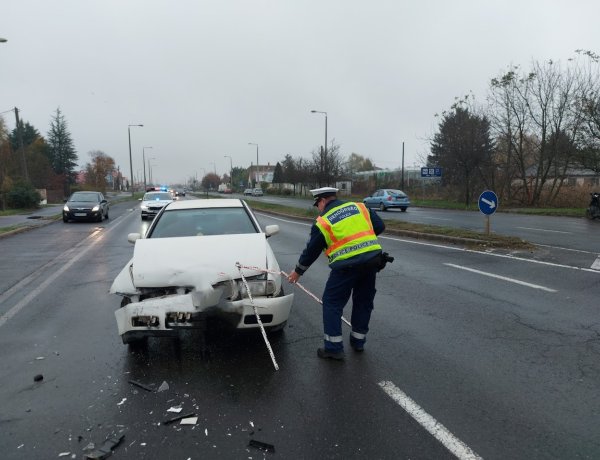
[[80, 214]]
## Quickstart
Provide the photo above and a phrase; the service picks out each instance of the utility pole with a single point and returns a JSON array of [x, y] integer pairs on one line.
[[21, 148], [402, 183]]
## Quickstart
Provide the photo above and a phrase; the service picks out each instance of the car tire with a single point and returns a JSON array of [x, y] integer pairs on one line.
[[403, 209], [65, 220], [382, 207], [106, 215]]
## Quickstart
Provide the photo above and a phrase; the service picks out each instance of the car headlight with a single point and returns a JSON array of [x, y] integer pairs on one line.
[[259, 286], [66, 208], [144, 207], [96, 208]]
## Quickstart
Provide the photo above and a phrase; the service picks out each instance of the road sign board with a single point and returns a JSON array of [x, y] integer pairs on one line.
[[488, 202], [431, 172]]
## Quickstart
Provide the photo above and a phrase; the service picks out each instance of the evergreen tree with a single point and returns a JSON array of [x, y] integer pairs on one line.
[[61, 151], [463, 148]]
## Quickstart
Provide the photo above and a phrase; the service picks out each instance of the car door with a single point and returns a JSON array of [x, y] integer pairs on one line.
[[374, 200]]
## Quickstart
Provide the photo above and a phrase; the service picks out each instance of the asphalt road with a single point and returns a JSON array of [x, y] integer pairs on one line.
[[470, 354]]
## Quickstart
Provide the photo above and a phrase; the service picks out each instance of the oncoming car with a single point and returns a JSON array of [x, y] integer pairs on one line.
[[153, 202], [184, 271], [85, 206], [388, 198]]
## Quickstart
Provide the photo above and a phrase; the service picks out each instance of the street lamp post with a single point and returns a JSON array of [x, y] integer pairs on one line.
[[230, 170], [144, 161], [150, 170], [130, 160], [325, 148], [256, 174]]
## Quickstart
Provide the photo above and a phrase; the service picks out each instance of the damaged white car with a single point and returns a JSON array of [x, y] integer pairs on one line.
[[184, 271]]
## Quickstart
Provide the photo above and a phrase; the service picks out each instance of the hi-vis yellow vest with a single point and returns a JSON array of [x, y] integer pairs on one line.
[[348, 231]]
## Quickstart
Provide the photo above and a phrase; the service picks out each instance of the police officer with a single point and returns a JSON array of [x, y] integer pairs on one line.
[[346, 232]]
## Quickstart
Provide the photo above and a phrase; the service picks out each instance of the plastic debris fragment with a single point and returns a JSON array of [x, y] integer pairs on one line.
[[189, 421], [179, 417], [261, 445], [141, 385], [176, 409], [105, 450], [38, 378], [122, 401], [163, 387]]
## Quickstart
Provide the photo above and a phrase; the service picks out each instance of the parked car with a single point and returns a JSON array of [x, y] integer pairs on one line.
[[385, 199], [257, 192], [153, 202], [85, 206], [184, 271], [248, 192]]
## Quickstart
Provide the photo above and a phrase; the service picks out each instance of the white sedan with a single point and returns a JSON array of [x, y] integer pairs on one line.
[[184, 270], [153, 202]]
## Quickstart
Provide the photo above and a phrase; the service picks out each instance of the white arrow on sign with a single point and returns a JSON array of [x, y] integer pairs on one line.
[[491, 204]]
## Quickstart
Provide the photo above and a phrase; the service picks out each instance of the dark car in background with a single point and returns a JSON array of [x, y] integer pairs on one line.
[[385, 199], [85, 206]]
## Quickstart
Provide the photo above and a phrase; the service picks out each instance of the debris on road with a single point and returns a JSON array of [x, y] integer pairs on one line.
[[261, 445], [176, 409], [122, 402], [105, 450], [38, 378], [163, 387], [189, 421], [179, 417], [141, 385]]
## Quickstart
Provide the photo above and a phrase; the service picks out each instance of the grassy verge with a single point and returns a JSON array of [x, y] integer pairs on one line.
[[468, 237], [9, 229]]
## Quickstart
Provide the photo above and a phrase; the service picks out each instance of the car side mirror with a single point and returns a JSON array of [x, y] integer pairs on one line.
[[64, 201], [271, 230], [133, 237]]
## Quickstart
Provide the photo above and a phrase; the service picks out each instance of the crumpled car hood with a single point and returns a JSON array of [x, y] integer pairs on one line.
[[198, 261]]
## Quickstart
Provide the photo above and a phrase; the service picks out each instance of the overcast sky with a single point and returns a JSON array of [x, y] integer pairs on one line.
[[208, 77]]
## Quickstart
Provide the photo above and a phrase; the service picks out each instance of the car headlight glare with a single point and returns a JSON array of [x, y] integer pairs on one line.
[[66, 208], [145, 208], [96, 208]]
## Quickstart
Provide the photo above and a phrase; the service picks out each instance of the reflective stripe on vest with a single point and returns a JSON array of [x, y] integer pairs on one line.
[[348, 231]]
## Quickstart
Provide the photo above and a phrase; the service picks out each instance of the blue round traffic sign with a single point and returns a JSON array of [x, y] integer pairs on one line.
[[488, 202]]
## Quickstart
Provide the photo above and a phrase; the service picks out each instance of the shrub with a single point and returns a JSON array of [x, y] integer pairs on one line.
[[23, 195]]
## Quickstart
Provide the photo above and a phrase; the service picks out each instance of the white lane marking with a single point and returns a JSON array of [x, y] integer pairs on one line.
[[544, 230], [596, 264], [455, 248], [504, 278], [40, 288], [435, 428], [565, 249]]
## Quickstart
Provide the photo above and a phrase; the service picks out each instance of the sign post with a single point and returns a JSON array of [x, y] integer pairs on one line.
[[488, 203]]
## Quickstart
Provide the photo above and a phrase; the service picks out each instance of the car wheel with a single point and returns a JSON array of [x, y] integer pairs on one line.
[[143, 218], [106, 215], [134, 341], [382, 207], [65, 220], [403, 209]]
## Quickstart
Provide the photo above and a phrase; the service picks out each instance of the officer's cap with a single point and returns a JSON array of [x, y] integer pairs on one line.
[[323, 192]]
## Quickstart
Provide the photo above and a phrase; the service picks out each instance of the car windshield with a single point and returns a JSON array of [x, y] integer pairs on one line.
[[198, 222], [85, 197], [157, 196]]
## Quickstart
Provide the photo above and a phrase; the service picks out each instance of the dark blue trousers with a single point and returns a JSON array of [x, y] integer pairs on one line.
[[358, 281]]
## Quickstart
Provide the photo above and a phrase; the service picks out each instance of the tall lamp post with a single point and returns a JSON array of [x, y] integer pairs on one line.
[[150, 170], [256, 174], [144, 161], [325, 148], [130, 160], [230, 170]]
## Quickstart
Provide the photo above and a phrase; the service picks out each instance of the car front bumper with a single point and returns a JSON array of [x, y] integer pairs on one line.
[[159, 315]]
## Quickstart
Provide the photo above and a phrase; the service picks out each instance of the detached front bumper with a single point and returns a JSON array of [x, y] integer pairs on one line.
[[160, 315]]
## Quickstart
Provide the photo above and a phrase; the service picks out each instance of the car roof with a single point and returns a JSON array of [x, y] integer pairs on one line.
[[206, 203]]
